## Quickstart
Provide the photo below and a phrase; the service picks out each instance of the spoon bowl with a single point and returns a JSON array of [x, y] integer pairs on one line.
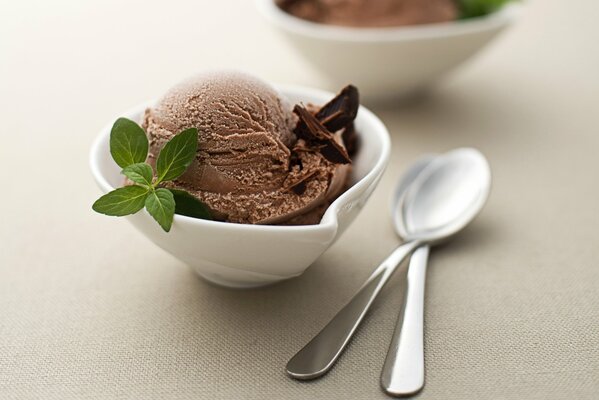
[[447, 193], [404, 184]]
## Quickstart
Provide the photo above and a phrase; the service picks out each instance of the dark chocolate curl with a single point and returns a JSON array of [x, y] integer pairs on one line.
[[341, 110], [350, 139], [299, 186], [316, 134]]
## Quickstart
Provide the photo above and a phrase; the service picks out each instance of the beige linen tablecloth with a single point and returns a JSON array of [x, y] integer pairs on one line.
[[89, 309]]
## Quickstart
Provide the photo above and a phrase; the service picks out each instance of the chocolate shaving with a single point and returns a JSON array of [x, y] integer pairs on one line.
[[308, 127], [316, 134], [299, 187], [284, 4], [335, 153], [295, 160], [350, 139], [341, 110]]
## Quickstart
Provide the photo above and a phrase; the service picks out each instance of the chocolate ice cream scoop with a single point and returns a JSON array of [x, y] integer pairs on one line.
[[250, 167], [245, 131], [372, 13]]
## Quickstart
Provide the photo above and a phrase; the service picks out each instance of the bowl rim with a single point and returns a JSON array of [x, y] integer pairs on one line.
[[328, 220], [499, 18]]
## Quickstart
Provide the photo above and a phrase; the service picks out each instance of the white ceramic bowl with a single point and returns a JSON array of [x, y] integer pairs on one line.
[[388, 62], [238, 255]]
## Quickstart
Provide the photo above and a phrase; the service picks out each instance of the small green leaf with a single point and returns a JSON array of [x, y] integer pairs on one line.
[[123, 201], [177, 155], [479, 8], [161, 205], [139, 173], [189, 205], [128, 143]]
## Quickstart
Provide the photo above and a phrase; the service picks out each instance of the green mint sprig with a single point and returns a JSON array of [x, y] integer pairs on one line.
[[479, 8], [129, 148]]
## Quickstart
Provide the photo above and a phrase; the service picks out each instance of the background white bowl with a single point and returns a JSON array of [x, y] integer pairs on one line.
[[238, 255], [388, 63]]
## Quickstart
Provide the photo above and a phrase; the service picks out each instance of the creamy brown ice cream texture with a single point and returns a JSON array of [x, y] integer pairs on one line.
[[372, 13], [250, 166]]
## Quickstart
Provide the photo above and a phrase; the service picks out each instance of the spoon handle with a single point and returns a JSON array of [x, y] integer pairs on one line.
[[319, 355], [403, 372]]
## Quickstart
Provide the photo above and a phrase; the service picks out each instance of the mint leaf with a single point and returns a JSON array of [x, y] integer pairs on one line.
[[479, 8], [139, 173], [128, 143], [129, 147], [123, 201], [189, 205], [177, 155], [161, 205]]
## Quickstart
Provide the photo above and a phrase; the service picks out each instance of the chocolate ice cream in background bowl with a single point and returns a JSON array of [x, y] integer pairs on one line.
[[283, 170], [388, 48]]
